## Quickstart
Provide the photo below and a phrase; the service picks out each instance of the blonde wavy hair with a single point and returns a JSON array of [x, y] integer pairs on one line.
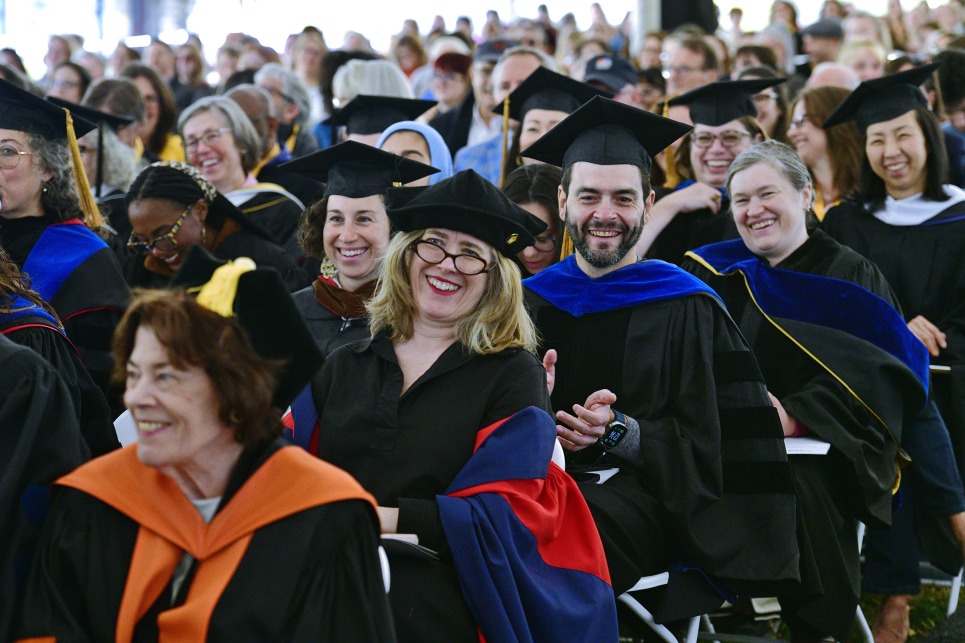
[[498, 322]]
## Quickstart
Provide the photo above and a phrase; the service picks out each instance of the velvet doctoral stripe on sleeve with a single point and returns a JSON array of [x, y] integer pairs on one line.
[[870, 374], [529, 558]]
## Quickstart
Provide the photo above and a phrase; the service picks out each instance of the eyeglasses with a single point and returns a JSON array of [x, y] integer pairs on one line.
[[466, 264], [10, 156], [799, 121], [164, 243], [209, 138], [545, 244], [763, 97], [64, 84], [730, 138]]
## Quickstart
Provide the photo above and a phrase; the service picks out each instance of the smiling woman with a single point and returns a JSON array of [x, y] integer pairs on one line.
[[198, 503], [786, 288], [449, 355], [172, 207]]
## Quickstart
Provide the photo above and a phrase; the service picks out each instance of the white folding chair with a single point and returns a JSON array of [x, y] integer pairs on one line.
[[649, 582]]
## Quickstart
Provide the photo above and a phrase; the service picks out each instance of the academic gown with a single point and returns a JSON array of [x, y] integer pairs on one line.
[[690, 230], [32, 327], [923, 263], [406, 449], [841, 388], [76, 272], [40, 442], [329, 329], [715, 490], [311, 574], [275, 210]]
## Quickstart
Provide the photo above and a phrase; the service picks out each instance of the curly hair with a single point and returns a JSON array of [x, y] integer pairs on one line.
[[60, 196], [195, 336]]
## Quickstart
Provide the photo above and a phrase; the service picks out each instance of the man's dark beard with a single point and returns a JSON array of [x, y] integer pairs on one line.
[[602, 258]]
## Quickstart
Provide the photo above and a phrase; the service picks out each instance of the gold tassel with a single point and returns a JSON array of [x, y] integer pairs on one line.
[[218, 295], [566, 246], [502, 157], [670, 161], [92, 216]]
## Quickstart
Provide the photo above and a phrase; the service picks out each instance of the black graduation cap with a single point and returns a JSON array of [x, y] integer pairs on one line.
[[605, 132], [882, 99], [263, 307], [22, 111], [356, 170], [545, 89], [465, 202], [113, 121], [372, 114], [717, 103]]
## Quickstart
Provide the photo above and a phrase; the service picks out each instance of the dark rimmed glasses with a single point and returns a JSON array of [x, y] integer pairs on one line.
[[545, 244], [10, 156], [164, 243], [468, 265], [731, 138]]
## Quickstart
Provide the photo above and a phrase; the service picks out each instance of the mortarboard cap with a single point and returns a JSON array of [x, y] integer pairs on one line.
[[113, 121], [545, 89], [612, 72], [372, 114], [264, 308], [22, 111], [605, 132], [882, 99], [717, 103], [356, 170], [465, 202]]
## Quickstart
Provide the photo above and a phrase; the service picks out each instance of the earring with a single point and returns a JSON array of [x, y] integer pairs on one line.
[[45, 187], [204, 234]]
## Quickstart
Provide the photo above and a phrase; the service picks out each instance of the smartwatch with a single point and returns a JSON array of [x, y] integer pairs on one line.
[[615, 430]]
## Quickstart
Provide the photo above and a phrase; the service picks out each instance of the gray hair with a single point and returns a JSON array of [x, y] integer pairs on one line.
[[291, 85], [120, 167], [234, 117], [780, 156], [370, 77], [60, 195]]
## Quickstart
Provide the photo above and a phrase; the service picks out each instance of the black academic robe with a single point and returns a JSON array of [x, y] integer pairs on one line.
[[278, 215], [39, 332], [88, 291], [690, 230], [923, 264], [329, 330], [714, 491], [406, 448], [856, 480], [40, 442], [313, 575]]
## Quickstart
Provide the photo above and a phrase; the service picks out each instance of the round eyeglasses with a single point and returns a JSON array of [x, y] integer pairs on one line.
[[10, 156], [164, 243], [466, 264]]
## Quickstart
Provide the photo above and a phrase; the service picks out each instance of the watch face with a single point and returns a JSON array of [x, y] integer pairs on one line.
[[614, 435]]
